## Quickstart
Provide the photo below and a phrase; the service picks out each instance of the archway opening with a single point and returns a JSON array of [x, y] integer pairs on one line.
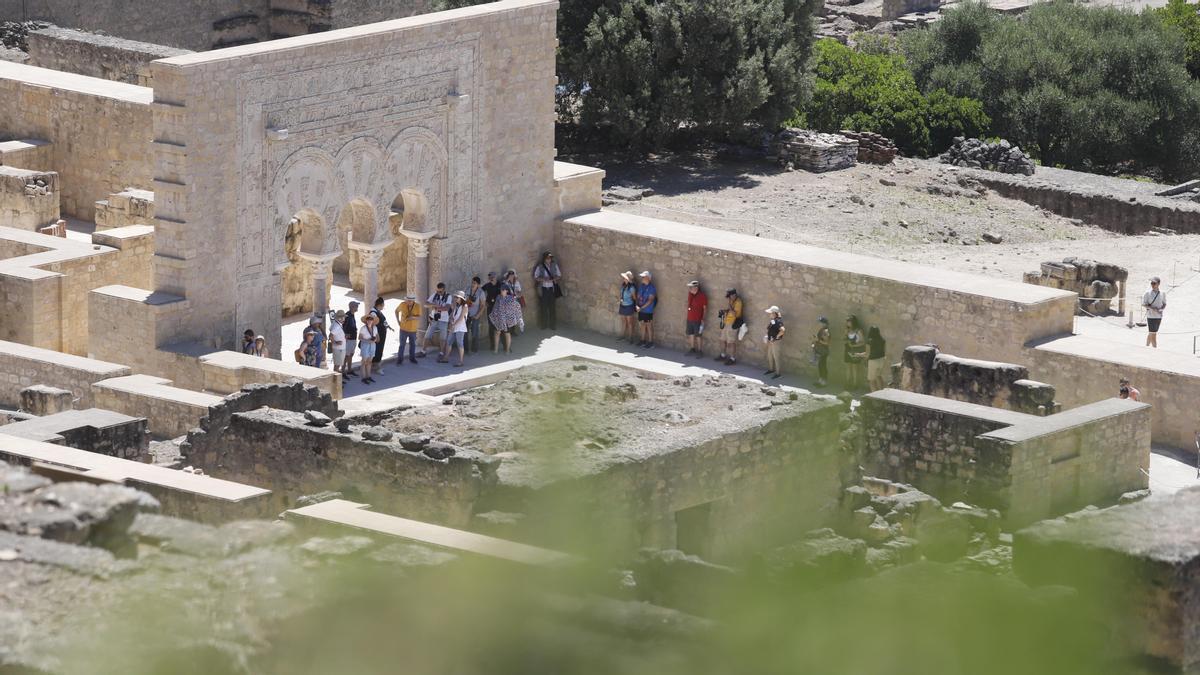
[[296, 283]]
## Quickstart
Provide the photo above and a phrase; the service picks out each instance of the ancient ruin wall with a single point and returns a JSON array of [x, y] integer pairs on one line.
[[94, 55], [277, 450], [23, 366], [185, 24], [911, 304], [99, 131], [1115, 213], [457, 106]]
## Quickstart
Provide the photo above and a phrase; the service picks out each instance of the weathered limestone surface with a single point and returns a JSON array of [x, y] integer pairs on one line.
[[1138, 564], [1101, 286], [453, 109], [96, 55], [172, 411], [911, 304], [22, 366], [924, 370], [101, 431], [99, 131], [1027, 467], [28, 199], [43, 400], [130, 206]]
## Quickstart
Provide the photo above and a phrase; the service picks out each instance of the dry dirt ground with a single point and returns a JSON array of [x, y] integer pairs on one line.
[[917, 211], [601, 414]]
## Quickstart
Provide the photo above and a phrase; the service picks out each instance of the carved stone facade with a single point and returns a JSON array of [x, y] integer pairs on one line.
[[453, 119]]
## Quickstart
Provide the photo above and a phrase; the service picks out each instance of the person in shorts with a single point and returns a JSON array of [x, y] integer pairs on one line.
[[627, 308], [350, 328], [731, 321], [367, 337], [438, 306], [697, 306], [1155, 301], [647, 300], [458, 328]]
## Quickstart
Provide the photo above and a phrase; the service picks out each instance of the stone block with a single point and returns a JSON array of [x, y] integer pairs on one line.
[[45, 400]]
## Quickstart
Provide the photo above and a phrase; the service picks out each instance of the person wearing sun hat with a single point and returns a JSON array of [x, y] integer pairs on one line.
[[697, 307], [408, 321], [647, 301], [731, 321], [627, 307], [774, 336]]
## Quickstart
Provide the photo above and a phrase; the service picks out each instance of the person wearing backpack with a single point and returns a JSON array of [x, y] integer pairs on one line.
[[381, 327], [408, 318]]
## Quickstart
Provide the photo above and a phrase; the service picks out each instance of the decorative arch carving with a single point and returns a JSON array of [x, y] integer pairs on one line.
[[416, 162], [306, 181]]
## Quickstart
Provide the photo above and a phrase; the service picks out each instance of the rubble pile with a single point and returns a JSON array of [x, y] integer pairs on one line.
[[1100, 285], [872, 148], [974, 153], [812, 150]]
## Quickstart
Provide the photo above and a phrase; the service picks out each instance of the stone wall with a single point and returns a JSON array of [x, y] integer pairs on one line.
[[22, 366], [1113, 212], [95, 430], [751, 488], [45, 280], [894, 9], [95, 55], [28, 199], [184, 24], [1101, 286], [25, 152], [171, 411], [910, 304], [456, 107], [99, 130], [930, 442], [278, 450], [1027, 467], [127, 207], [922, 369], [226, 372]]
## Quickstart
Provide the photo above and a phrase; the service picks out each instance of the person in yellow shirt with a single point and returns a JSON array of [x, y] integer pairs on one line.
[[408, 317], [731, 321]]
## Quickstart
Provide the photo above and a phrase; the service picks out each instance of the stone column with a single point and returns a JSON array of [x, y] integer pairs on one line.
[[370, 255], [417, 281], [322, 271]]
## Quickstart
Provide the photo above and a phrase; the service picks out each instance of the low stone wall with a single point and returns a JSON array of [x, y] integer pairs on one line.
[[22, 366], [226, 372], [911, 304], [1101, 286], [278, 450], [1027, 467], [99, 131], [171, 411], [1113, 212], [922, 369], [1087, 455], [127, 207], [1085, 369], [104, 432], [95, 55], [28, 199], [25, 153]]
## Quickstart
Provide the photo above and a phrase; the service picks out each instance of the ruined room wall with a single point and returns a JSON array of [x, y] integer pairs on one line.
[[764, 485], [127, 207], [276, 450], [184, 24], [28, 199], [23, 366], [100, 131], [1112, 212], [94, 55], [931, 443], [493, 194], [1099, 452], [172, 411], [911, 304]]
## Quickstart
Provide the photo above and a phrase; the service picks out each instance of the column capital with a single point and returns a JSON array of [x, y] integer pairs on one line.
[[370, 254], [321, 263], [418, 242]]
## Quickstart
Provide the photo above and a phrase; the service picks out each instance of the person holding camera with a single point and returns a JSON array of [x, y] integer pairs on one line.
[[855, 353], [775, 331], [731, 322], [408, 316], [439, 320], [337, 339]]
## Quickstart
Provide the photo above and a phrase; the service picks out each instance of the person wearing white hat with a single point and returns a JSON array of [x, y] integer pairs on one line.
[[1155, 301], [647, 300], [337, 340], [697, 307], [627, 308], [775, 331], [458, 328], [408, 319]]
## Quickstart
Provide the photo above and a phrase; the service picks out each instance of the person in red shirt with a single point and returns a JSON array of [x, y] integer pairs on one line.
[[697, 305]]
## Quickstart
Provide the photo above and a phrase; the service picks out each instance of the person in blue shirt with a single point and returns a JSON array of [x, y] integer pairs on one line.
[[647, 299]]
